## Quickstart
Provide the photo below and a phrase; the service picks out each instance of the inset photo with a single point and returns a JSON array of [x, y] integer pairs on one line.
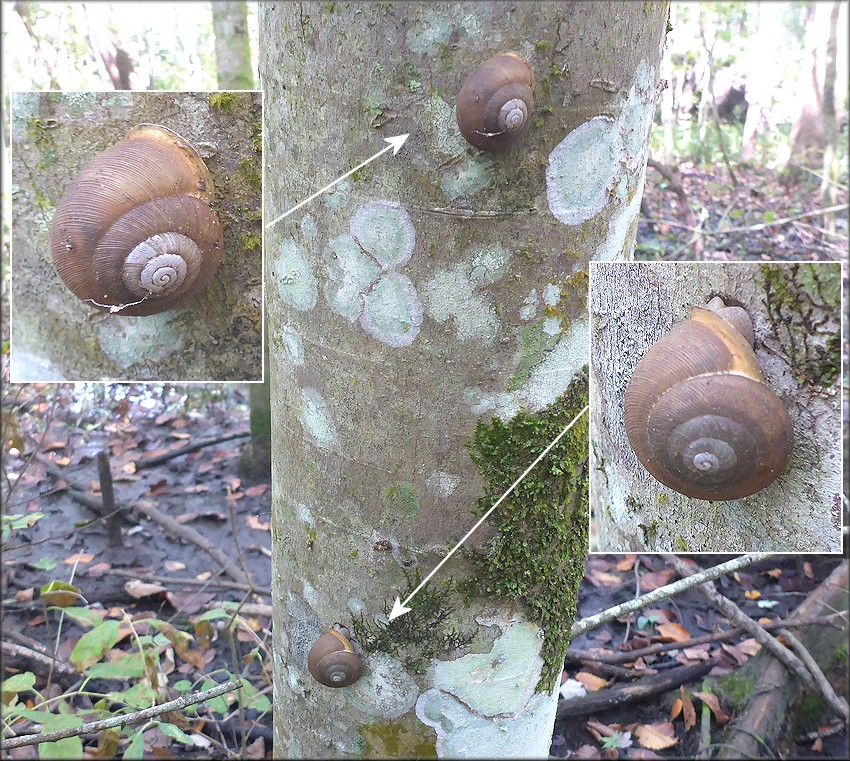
[[136, 236], [715, 397]]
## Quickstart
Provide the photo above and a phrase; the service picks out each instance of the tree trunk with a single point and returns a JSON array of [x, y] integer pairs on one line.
[[232, 48], [427, 339], [216, 335], [796, 313]]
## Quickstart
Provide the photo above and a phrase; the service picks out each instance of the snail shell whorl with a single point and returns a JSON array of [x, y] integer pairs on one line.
[[698, 413], [495, 103], [333, 662], [136, 223]]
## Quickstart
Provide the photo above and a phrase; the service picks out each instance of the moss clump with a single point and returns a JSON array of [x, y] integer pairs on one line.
[[420, 635], [252, 242], [797, 296], [253, 176], [537, 553], [406, 737], [223, 101]]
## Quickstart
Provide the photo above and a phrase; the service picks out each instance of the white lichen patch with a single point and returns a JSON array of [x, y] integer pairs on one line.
[[295, 277], [552, 326], [489, 699], [467, 177], [308, 227], [129, 340], [635, 120], [316, 420], [385, 689], [292, 346], [551, 294], [427, 35], [392, 312], [621, 223], [337, 196], [453, 295], [503, 405], [385, 230], [550, 378], [441, 484], [362, 281], [582, 168], [351, 272], [461, 733], [304, 515], [528, 310]]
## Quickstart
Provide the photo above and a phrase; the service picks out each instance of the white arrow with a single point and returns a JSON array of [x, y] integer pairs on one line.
[[395, 144], [400, 608]]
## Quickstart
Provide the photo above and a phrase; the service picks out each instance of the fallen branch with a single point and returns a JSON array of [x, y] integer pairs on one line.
[[119, 721], [188, 581], [615, 696], [751, 228], [615, 657], [159, 459], [669, 590], [37, 661], [771, 644]]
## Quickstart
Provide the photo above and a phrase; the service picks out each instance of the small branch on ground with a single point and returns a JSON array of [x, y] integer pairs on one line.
[[669, 590], [159, 459], [119, 721], [113, 522]]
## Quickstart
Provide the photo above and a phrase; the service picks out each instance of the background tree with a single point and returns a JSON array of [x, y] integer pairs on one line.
[[58, 337], [796, 312], [232, 46], [427, 337]]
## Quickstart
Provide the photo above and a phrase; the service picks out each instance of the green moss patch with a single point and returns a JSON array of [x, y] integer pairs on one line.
[[541, 530]]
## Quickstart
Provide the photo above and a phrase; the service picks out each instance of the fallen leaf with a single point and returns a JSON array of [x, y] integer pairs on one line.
[[97, 570], [749, 646], [774, 573], [807, 570], [752, 594], [196, 489], [627, 563], [655, 579], [180, 436], [592, 682], [817, 745], [137, 588], [80, 557], [254, 522], [689, 713], [720, 716], [656, 736], [174, 565], [675, 709], [25, 595], [129, 468], [257, 491], [606, 579], [673, 633]]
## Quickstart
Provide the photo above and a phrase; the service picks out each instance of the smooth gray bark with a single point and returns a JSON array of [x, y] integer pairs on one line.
[[232, 47], [431, 291]]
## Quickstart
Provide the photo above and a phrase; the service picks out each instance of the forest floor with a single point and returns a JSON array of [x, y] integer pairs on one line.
[[156, 574]]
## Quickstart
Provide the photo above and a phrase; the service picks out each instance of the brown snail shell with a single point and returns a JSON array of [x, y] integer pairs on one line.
[[136, 225], [333, 662], [698, 413], [495, 103]]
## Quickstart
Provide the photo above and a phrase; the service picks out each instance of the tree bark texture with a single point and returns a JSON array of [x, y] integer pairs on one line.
[[217, 334], [232, 47], [432, 301], [796, 313]]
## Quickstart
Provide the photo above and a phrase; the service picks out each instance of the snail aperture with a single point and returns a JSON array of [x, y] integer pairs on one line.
[[332, 660], [698, 413], [495, 103], [135, 232]]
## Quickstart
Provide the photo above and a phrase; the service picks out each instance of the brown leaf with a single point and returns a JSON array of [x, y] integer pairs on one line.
[[807, 570], [180, 436], [656, 736], [774, 573], [82, 557], [749, 646], [591, 682], [817, 745], [720, 716], [254, 522], [627, 563], [196, 489], [752, 594], [24, 595], [690, 714], [675, 709], [606, 579], [160, 487], [673, 633], [655, 579], [137, 588], [174, 565]]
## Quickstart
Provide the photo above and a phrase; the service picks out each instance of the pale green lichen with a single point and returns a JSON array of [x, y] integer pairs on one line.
[[316, 420], [294, 276]]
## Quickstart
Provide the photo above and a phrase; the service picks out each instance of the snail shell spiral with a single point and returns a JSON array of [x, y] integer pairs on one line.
[[699, 415], [135, 232], [495, 103], [333, 662]]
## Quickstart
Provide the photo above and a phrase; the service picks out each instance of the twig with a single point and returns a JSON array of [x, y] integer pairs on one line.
[[188, 581], [751, 228], [609, 656], [35, 658], [669, 590], [120, 721], [776, 649], [113, 523], [159, 459]]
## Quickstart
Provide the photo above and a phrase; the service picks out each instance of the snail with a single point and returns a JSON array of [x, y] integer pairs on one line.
[[698, 413], [495, 103], [135, 232], [332, 660]]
